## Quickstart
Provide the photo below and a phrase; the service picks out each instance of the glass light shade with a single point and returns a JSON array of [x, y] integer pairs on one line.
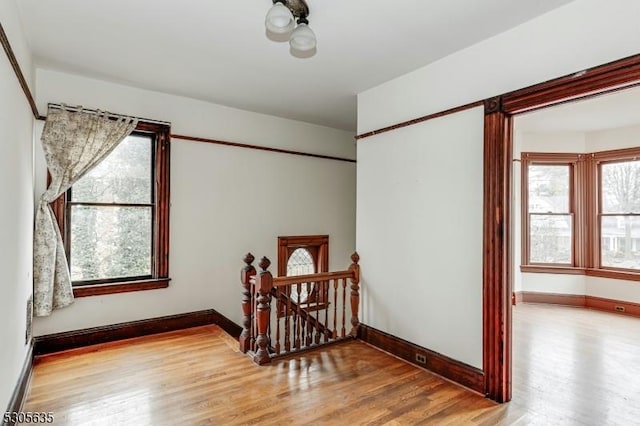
[[303, 38], [279, 19]]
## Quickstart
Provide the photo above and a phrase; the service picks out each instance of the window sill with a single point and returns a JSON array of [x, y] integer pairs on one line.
[[591, 272], [548, 269], [613, 274], [121, 287]]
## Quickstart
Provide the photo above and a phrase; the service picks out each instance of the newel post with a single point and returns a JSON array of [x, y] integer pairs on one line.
[[246, 273], [355, 294], [264, 284]]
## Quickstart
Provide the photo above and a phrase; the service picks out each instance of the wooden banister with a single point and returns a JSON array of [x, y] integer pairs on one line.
[[355, 294], [311, 309], [247, 272], [264, 284], [322, 276]]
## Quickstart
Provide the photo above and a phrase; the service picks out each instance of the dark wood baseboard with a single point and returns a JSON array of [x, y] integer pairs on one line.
[[109, 333], [22, 386], [461, 373], [591, 302]]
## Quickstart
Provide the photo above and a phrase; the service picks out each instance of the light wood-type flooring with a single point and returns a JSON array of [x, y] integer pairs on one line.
[[571, 366]]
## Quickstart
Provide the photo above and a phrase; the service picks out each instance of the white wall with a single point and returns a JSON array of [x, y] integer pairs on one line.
[[16, 214], [225, 201], [580, 35], [576, 142], [420, 233], [608, 139]]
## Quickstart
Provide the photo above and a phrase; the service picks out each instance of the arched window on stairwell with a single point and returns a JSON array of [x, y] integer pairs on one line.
[[304, 255]]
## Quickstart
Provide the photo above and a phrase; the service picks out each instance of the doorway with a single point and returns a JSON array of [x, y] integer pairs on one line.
[[576, 229], [498, 184]]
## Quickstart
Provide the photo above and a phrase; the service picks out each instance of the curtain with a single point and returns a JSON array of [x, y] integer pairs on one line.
[[74, 142]]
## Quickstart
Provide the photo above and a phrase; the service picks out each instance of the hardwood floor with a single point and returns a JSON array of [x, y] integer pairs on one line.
[[576, 366], [571, 366], [196, 376]]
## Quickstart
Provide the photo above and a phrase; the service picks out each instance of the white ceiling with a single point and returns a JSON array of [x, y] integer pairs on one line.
[[217, 51], [611, 111]]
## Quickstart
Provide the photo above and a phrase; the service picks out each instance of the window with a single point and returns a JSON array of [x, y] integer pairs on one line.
[[619, 214], [581, 213], [302, 255], [550, 215], [115, 219]]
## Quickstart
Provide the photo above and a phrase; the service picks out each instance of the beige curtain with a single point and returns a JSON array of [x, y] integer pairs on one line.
[[73, 142]]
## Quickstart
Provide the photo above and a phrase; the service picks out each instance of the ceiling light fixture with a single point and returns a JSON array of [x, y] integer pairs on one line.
[[281, 26]]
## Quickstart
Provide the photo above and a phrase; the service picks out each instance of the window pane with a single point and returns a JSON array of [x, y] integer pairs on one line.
[[110, 242], [621, 187], [123, 177], [301, 263], [549, 188], [620, 242], [550, 240]]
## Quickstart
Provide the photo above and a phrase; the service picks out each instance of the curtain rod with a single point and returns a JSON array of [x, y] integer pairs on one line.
[[95, 111]]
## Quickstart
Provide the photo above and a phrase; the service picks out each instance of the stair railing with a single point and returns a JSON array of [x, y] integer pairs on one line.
[[309, 310]]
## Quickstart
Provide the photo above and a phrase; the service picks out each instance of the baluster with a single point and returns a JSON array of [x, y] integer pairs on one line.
[[279, 303], [301, 318], [264, 284], [317, 308], [246, 273], [335, 308], [254, 322], [325, 289], [287, 309], [344, 306], [309, 337], [298, 319], [355, 294]]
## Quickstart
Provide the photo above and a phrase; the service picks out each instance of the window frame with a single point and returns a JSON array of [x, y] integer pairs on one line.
[[543, 159], [159, 277], [599, 159], [317, 245], [587, 210]]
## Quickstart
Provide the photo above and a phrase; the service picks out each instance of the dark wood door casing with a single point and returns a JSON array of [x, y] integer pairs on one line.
[[497, 247]]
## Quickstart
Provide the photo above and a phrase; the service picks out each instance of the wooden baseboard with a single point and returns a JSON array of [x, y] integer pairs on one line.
[[516, 297], [90, 336], [552, 298], [22, 386], [461, 373], [610, 305], [591, 302]]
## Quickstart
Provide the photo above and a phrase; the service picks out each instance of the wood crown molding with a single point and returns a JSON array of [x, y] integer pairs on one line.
[[22, 386], [419, 120], [4, 40], [594, 81], [457, 371], [260, 148], [109, 333]]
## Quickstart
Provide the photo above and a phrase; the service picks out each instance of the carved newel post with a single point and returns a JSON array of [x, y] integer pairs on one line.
[[355, 294], [246, 273], [264, 284]]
